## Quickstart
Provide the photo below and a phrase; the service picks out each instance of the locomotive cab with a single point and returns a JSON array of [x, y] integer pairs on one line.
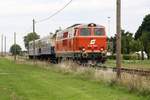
[[91, 42], [91, 38]]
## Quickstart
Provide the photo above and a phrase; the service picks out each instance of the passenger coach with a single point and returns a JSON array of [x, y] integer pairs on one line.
[[43, 48]]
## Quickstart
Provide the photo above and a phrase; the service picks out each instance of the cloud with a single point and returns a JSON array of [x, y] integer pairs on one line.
[[92, 4], [17, 15], [19, 7]]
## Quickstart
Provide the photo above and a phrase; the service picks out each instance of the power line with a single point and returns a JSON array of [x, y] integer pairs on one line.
[[55, 12], [45, 19]]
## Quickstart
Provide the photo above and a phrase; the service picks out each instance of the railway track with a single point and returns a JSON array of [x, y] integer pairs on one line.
[[134, 71], [140, 72]]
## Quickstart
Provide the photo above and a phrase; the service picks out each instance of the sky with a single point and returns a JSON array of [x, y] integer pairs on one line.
[[16, 16]]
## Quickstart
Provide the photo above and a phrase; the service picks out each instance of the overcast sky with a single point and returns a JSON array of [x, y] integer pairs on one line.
[[16, 15]]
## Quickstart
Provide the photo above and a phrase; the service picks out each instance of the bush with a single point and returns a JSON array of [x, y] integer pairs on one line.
[[125, 57], [113, 57], [130, 57]]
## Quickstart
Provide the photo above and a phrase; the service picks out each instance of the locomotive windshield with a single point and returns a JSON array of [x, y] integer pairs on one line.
[[99, 31], [85, 32]]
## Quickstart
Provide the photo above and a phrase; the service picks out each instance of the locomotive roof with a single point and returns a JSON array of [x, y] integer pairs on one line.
[[79, 26], [84, 26]]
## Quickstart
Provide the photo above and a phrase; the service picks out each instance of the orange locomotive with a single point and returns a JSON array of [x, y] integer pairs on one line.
[[83, 43]]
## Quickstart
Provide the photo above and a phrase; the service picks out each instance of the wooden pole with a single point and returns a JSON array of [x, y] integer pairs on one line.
[[2, 45], [34, 41], [118, 41], [5, 46], [15, 46]]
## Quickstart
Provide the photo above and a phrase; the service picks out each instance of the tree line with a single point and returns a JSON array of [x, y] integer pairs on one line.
[[131, 43]]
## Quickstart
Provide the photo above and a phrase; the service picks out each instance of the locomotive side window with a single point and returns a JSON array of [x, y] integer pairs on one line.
[[85, 32], [65, 35], [99, 31], [76, 32]]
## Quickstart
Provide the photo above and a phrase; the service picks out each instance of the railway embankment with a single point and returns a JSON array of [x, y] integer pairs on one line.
[[132, 83]]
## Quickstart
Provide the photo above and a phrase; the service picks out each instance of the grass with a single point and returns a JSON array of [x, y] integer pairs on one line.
[[140, 64], [28, 82]]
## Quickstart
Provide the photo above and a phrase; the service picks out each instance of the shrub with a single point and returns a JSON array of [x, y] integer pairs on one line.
[[125, 57], [113, 57], [130, 57]]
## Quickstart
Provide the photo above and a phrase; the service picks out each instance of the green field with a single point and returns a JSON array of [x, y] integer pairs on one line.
[[140, 64], [28, 82]]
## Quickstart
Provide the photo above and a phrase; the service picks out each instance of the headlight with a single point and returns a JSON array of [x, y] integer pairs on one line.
[[101, 49], [83, 49]]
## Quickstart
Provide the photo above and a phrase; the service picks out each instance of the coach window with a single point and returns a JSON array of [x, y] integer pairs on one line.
[[30, 46], [85, 32], [99, 31]]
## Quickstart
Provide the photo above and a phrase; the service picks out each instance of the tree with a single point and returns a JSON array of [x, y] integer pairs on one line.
[[15, 49], [136, 45], [109, 45], [111, 42], [126, 41], [145, 27], [145, 39], [143, 33], [30, 37]]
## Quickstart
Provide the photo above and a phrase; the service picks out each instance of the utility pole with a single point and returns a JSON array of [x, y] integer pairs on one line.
[[33, 26], [118, 39], [2, 45], [109, 24], [34, 41], [5, 45], [15, 47]]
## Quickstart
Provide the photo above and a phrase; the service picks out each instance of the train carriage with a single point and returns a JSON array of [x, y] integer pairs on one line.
[[44, 48]]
